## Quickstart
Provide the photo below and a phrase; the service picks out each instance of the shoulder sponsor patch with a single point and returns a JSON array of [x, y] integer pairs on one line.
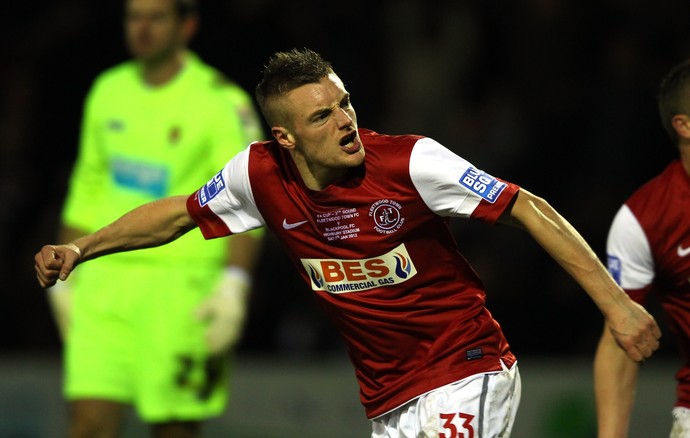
[[482, 184], [211, 189]]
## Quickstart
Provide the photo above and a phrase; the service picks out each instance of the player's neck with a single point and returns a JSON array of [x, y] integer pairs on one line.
[[315, 177], [158, 72]]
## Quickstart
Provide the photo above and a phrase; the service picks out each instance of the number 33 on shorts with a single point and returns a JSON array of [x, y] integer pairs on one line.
[[480, 406], [450, 428]]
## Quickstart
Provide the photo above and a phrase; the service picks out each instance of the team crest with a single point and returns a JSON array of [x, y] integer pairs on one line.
[[387, 216], [174, 135]]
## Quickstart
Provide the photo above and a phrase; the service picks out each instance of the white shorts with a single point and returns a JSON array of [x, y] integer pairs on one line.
[[480, 406], [681, 423]]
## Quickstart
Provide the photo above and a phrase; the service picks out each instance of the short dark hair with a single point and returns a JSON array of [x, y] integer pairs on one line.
[[284, 72], [674, 97], [186, 8]]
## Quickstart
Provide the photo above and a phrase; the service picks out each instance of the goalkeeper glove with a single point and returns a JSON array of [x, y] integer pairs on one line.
[[225, 310]]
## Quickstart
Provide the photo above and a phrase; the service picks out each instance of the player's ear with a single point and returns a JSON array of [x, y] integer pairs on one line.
[[188, 28], [681, 124], [283, 137]]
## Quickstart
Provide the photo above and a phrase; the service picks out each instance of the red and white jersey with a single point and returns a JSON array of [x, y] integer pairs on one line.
[[648, 251], [376, 250]]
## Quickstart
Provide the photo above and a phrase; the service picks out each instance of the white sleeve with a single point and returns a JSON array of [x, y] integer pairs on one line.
[[629, 254], [229, 195], [449, 184]]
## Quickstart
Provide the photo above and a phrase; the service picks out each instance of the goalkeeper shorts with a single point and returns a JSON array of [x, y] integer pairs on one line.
[[133, 339]]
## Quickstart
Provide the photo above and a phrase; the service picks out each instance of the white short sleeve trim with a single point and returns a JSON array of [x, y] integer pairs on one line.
[[435, 172], [629, 254], [235, 204]]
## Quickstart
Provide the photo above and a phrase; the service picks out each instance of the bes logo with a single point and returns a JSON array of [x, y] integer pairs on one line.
[[386, 215], [339, 276], [211, 189], [483, 184]]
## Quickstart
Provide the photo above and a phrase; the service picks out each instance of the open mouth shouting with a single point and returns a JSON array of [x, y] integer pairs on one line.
[[351, 143]]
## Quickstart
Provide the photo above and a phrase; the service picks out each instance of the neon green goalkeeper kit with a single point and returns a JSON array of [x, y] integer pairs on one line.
[[138, 144]]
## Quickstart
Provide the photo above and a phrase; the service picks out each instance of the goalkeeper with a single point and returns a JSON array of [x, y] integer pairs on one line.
[[152, 328]]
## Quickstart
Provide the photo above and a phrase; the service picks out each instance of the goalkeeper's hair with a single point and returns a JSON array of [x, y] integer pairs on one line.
[[186, 8], [674, 97]]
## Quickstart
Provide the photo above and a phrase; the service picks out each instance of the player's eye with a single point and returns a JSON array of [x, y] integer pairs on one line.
[[345, 103]]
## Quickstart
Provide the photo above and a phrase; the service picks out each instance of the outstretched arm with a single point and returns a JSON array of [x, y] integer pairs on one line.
[[150, 225], [633, 328]]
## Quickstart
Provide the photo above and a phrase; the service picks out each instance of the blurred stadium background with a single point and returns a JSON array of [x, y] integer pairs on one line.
[[555, 95]]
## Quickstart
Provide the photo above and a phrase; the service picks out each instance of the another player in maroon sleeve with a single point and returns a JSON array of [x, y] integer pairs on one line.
[[649, 254], [369, 233]]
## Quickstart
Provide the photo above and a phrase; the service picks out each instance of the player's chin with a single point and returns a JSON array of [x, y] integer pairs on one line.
[[355, 160], [145, 52]]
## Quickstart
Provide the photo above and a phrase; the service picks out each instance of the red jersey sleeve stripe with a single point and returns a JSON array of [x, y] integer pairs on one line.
[[209, 223], [491, 212]]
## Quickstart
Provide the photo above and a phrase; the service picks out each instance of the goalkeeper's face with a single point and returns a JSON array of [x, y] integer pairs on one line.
[[153, 30]]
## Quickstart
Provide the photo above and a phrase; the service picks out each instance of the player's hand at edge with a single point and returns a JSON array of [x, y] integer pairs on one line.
[[638, 334], [55, 262]]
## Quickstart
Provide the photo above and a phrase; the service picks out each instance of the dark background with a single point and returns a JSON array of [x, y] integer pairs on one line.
[[557, 96]]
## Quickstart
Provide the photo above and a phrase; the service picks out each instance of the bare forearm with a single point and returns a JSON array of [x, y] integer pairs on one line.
[[615, 377], [634, 329], [568, 249], [150, 225]]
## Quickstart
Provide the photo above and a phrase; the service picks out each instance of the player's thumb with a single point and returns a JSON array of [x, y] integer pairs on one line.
[[66, 269], [70, 255]]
